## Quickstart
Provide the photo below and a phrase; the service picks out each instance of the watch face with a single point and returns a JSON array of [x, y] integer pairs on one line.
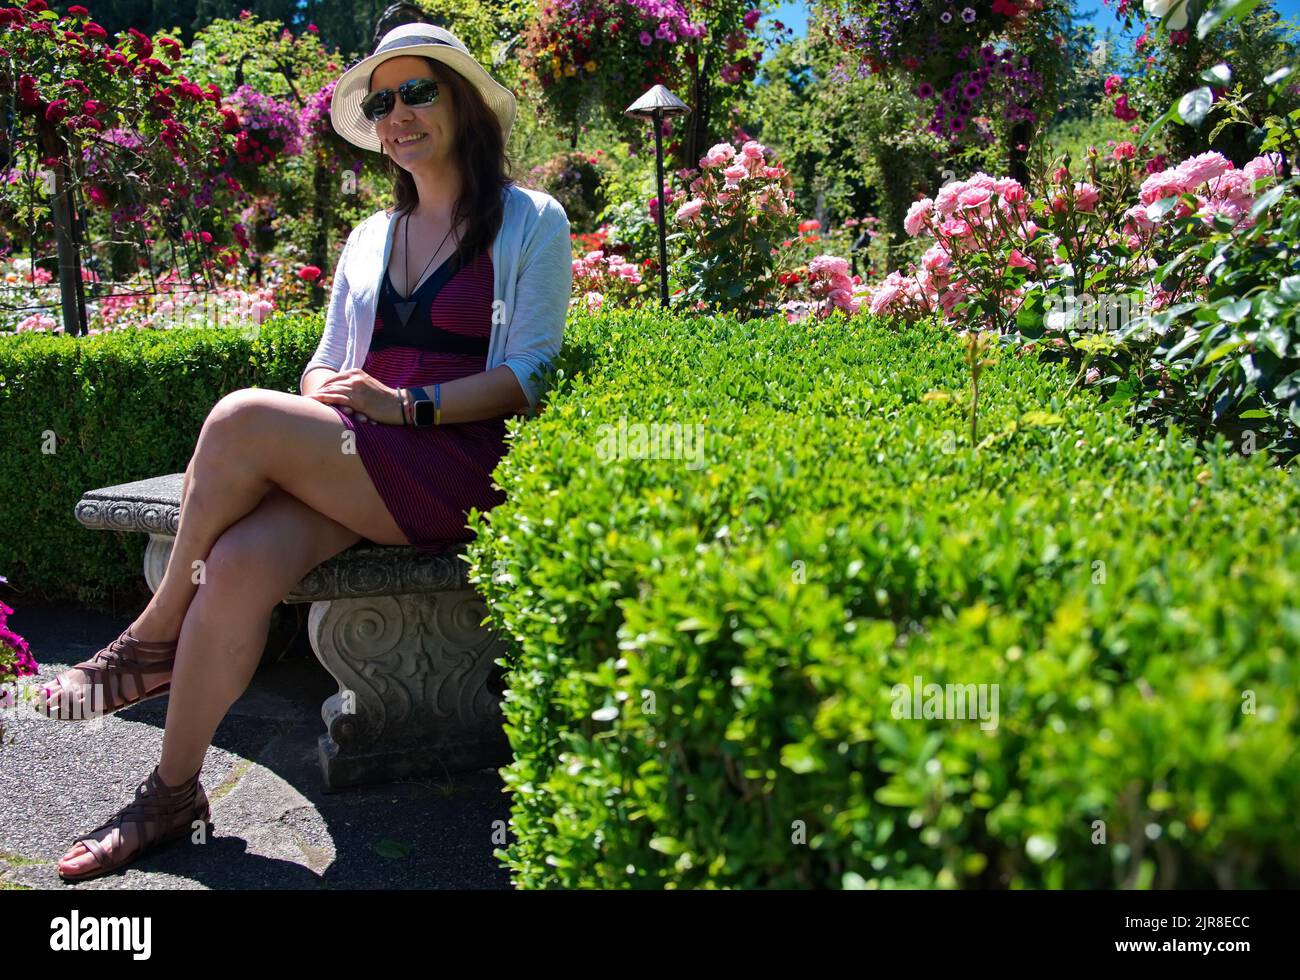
[[424, 412]]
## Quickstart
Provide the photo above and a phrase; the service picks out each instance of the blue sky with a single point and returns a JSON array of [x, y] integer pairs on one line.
[[795, 15]]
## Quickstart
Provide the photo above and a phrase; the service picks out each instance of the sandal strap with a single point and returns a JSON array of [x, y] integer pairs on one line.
[[126, 657], [156, 806]]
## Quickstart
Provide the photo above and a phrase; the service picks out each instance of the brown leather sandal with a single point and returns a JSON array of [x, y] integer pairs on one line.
[[105, 671], [166, 813]]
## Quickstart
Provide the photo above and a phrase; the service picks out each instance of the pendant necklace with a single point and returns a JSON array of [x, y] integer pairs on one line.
[[404, 310]]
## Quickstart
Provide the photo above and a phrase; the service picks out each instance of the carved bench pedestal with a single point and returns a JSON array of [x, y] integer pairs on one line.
[[419, 691], [419, 694]]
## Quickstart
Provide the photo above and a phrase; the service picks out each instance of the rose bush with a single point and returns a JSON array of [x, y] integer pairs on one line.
[[138, 140], [1137, 278], [739, 207]]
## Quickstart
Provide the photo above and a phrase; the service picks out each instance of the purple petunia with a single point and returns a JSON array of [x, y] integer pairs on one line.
[[646, 39], [968, 14]]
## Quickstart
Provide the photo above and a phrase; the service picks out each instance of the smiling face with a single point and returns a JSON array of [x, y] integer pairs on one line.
[[435, 123]]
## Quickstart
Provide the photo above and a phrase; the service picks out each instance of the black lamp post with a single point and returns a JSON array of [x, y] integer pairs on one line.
[[656, 105]]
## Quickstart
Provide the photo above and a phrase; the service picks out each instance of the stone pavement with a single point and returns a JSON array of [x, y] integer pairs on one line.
[[275, 826]]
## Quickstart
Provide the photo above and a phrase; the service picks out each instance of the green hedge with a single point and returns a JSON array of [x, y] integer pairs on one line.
[[704, 659], [120, 407]]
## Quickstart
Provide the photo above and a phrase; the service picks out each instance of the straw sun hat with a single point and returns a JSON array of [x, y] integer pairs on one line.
[[420, 40]]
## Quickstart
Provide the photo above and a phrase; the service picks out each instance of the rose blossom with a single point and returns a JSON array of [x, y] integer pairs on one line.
[[718, 155], [1206, 166], [974, 197], [1138, 217], [690, 210], [945, 202], [936, 259], [1166, 183], [1268, 165], [735, 174], [829, 265], [917, 215], [1009, 190], [1085, 196]]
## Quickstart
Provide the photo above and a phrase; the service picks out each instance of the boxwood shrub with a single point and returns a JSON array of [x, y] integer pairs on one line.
[[78, 413], [706, 655]]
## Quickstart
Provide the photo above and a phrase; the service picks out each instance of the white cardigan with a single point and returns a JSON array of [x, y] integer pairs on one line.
[[532, 259]]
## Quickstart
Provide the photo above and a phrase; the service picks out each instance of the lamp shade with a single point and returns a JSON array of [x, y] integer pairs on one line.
[[657, 102]]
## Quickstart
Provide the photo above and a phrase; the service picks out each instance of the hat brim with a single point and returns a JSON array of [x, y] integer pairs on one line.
[[354, 85]]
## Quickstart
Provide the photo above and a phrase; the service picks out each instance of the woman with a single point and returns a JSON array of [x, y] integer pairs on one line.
[[399, 425]]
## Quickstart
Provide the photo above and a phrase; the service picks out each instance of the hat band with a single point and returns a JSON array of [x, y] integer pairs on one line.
[[413, 39]]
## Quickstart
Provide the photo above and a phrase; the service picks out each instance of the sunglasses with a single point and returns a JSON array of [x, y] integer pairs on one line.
[[415, 92]]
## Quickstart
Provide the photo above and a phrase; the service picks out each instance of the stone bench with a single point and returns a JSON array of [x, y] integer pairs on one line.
[[399, 629]]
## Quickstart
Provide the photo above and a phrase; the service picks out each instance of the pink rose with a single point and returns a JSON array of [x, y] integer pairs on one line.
[[1085, 196], [974, 197], [1137, 216], [718, 155], [945, 202], [1233, 184], [954, 228], [1268, 165], [690, 210], [1167, 183], [936, 259], [886, 294], [1124, 151], [1205, 166], [917, 216], [1009, 190], [829, 265]]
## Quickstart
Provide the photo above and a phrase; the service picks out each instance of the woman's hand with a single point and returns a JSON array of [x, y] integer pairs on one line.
[[362, 396]]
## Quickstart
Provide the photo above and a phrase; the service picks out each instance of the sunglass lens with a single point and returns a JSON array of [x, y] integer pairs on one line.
[[377, 104], [419, 91]]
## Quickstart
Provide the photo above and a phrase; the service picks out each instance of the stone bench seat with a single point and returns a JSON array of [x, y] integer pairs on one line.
[[399, 629]]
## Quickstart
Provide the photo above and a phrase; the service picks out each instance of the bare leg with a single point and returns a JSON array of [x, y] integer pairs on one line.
[[220, 487], [252, 565], [224, 481]]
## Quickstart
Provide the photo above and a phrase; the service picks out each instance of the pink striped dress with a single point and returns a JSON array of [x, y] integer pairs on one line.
[[430, 477]]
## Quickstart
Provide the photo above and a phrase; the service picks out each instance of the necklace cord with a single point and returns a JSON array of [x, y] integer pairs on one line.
[[406, 257]]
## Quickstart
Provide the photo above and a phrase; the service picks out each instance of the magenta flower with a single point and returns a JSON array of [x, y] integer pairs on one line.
[[646, 39]]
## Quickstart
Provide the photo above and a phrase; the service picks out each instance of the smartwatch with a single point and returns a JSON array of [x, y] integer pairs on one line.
[[423, 408]]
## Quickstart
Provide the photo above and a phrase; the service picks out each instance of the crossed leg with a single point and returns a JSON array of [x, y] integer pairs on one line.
[[272, 491]]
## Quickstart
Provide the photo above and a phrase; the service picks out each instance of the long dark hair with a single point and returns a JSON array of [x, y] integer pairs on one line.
[[485, 167]]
